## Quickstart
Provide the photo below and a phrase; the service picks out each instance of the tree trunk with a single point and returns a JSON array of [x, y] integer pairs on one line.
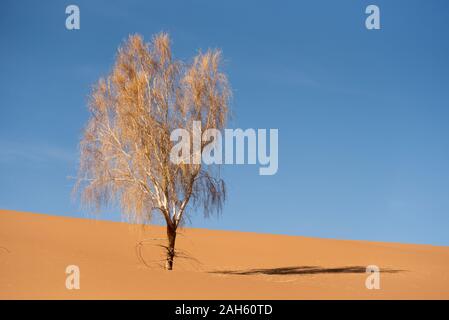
[[171, 237]]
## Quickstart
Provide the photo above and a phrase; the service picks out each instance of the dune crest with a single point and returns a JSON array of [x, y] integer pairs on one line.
[[122, 261]]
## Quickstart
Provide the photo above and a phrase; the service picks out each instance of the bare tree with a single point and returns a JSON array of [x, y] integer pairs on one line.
[[125, 149]]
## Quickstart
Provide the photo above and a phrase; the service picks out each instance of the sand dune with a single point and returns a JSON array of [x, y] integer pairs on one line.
[[35, 250]]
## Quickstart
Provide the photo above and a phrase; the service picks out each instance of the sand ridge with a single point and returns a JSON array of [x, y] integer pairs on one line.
[[123, 261]]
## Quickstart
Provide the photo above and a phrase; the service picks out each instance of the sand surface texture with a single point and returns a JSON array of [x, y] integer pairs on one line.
[[116, 262]]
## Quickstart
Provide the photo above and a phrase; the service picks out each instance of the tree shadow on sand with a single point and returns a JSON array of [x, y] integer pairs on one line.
[[302, 270]]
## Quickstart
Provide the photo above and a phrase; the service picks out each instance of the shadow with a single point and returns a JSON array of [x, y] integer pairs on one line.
[[301, 270]]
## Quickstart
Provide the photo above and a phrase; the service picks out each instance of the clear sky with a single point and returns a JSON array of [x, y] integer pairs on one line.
[[363, 116]]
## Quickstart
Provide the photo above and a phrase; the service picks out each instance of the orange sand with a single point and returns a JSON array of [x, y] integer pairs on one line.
[[35, 250]]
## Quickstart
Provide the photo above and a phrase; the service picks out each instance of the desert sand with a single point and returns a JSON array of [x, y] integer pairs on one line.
[[116, 262]]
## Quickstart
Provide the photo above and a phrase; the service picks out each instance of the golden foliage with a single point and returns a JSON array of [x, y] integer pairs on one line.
[[125, 150]]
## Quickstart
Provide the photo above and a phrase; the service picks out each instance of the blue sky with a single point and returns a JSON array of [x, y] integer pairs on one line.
[[363, 116]]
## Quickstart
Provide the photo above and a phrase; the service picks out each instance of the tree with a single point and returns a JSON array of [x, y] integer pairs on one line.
[[125, 149]]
